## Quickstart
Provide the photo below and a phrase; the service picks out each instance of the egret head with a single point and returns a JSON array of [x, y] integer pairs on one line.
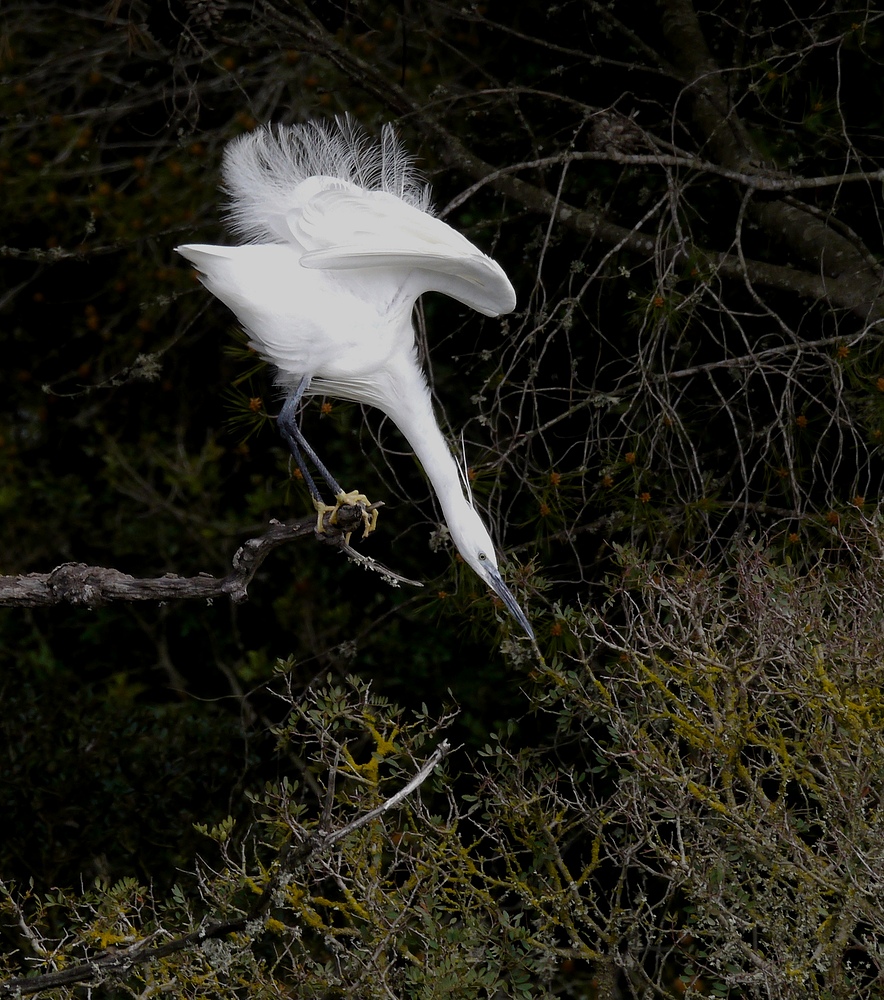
[[474, 543]]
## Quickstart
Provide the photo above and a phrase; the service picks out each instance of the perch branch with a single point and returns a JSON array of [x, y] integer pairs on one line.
[[91, 586]]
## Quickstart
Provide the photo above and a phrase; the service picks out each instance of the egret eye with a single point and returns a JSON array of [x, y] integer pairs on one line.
[[482, 557]]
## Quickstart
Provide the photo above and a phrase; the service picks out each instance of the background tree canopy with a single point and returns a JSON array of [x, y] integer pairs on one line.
[[677, 438]]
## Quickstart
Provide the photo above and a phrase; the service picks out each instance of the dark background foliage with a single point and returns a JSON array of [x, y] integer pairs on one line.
[[686, 199]]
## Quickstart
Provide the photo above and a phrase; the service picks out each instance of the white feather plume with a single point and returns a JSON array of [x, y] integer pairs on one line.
[[263, 169], [463, 471]]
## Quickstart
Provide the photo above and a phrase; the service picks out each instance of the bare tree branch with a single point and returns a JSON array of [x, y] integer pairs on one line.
[[818, 243], [91, 586]]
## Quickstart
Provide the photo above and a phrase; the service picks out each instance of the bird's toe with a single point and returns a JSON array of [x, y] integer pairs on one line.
[[356, 499]]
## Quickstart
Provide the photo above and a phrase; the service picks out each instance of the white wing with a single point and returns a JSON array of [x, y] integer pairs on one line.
[[347, 228]]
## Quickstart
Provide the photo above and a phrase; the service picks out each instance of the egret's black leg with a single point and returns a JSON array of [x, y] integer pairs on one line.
[[298, 445], [289, 429]]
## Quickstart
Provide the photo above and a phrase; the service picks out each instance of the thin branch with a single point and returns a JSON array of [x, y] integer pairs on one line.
[[441, 751], [762, 180], [293, 855]]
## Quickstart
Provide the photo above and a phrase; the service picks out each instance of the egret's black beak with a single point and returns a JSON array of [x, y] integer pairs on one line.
[[495, 581]]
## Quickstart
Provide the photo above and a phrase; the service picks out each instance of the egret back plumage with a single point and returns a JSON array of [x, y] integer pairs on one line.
[[340, 242]]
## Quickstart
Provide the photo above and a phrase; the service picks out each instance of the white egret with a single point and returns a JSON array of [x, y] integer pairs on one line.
[[339, 242]]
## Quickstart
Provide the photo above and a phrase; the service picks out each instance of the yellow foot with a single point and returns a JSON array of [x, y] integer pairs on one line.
[[321, 510], [369, 517], [351, 499]]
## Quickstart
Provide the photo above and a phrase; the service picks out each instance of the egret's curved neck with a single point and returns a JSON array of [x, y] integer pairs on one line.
[[409, 406]]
